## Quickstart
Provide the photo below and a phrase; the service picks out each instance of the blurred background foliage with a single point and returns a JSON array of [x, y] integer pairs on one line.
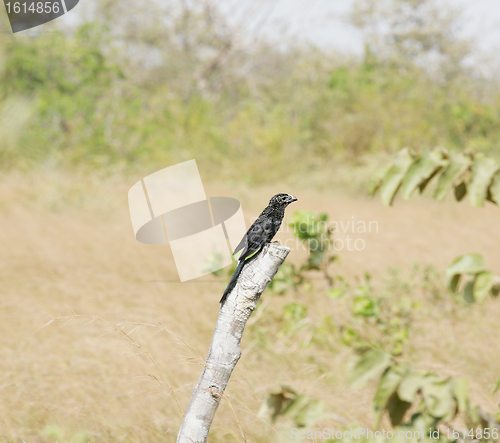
[[115, 93]]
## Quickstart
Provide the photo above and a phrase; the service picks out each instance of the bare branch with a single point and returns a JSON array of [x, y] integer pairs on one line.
[[225, 349]]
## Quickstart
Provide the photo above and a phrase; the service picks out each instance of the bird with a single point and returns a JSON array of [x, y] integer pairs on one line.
[[261, 232]]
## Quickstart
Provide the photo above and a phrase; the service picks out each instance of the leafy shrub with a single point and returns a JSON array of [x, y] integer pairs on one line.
[[467, 275], [465, 173], [434, 401]]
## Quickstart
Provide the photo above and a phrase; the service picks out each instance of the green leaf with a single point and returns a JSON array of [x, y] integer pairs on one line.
[[438, 398], [377, 179], [421, 422], [496, 387], [409, 387], [469, 292], [387, 386], [336, 293], [305, 411], [454, 282], [459, 386], [271, 407], [394, 177], [371, 365], [424, 183], [277, 403], [421, 171], [495, 188], [473, 415], [495, 290], [460, 191], [483, 284], [396, 409], [465, 264], [456, 167], [365, 305], [483, 170], [307, 224]]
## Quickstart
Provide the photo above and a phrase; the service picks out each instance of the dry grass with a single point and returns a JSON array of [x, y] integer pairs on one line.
[[68, 247]]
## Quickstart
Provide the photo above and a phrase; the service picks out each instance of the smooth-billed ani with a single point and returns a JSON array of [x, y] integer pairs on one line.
[[261, 232]]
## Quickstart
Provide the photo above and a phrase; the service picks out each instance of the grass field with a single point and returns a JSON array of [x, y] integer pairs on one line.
[[114, 372]]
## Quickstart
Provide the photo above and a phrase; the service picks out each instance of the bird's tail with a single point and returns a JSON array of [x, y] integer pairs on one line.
[[233, 281]]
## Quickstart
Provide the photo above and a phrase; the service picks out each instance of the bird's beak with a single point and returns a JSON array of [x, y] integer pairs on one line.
[[292, 198]]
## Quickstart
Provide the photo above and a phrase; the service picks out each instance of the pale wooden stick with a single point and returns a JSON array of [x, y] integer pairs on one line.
[[225, 349]]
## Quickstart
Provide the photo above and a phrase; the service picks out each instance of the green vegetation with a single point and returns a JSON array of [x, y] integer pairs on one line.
[[433, 401], [466, 173], [361, 315], [377, 326], [468, 276], [98, 102], [299, 408]]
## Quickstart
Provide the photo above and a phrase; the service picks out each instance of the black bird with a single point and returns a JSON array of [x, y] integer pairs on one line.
[[261, 232]]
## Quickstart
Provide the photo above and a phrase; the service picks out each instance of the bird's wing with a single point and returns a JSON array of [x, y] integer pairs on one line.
[[242, 244], [253, 230], [256, 237]]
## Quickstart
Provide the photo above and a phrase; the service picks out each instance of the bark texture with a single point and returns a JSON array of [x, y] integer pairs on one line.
[[225, 349]]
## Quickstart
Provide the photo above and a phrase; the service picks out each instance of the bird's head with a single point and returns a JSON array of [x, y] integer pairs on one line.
[[282, 200]]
